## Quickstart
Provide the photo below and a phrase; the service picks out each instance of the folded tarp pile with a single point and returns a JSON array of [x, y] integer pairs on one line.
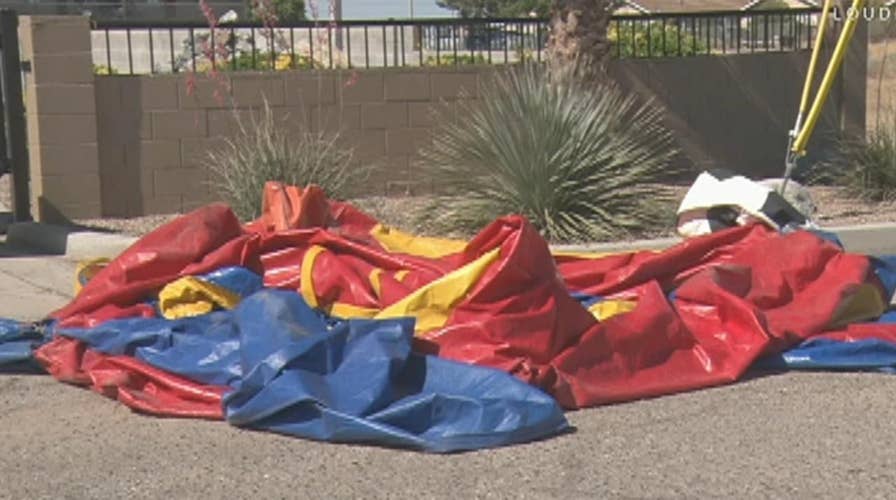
[[317, 321]]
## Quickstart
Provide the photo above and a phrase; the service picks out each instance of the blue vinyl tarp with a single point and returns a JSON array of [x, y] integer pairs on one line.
[[828, 354], [865, 354], [238, 280], [350, 381], [17, 341], [294, 370]]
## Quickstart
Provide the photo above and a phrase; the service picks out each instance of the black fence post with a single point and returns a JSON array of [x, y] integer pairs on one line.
[[16, 150]]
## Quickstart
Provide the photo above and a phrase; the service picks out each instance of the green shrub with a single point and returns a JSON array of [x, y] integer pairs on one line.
[[264, 150], [243, 61], [523, 56], [634, 43], [234, 52], [452, 60], [868, 168], [285, 12], [102, 69], [575, 158]]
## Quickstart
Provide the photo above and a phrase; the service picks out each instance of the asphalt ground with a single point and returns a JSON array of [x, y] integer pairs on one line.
[[795, 435]]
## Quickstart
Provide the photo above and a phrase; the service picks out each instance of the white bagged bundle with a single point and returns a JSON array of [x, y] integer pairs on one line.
[[719, 199]]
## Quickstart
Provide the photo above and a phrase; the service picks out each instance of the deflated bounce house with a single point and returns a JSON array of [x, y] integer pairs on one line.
[[319, 322]]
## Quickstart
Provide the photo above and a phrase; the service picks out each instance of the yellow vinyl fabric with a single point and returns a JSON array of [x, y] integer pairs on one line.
[[431, 305], [307, 284], [86, 270], [397, 241], [864, 304], [606, 309], [191, 296]]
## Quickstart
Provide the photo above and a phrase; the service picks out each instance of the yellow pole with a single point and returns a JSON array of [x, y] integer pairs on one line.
[[816, 52], [799, 145]]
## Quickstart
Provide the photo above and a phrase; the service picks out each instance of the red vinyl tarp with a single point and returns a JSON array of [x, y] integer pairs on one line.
[[705, 309]]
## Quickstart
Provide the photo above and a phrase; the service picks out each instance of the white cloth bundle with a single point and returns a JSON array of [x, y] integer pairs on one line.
[[719, 199]]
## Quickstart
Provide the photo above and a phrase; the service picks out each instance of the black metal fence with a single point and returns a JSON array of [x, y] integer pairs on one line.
[[135, 47], [13, 141]]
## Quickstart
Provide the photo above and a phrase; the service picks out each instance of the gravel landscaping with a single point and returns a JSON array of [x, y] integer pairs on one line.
[[409, 213]]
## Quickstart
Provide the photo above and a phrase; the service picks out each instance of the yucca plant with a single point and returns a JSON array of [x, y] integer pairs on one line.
[[578, 159], [263, 150]]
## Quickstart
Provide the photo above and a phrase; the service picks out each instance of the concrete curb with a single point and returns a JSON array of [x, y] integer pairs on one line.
[[79, 243], [868, 239], [6, 220], [75, 243]]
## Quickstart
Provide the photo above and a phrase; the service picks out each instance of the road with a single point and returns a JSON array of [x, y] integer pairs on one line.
[[803, 435]]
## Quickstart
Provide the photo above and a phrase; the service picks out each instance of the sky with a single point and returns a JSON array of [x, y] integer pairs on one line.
[[384, 9]]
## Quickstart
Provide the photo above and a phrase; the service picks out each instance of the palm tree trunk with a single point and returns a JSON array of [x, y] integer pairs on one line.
[[579, 36]]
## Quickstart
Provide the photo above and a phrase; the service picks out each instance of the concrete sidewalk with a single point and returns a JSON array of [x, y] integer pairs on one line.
[[33, 285], [73, 242]]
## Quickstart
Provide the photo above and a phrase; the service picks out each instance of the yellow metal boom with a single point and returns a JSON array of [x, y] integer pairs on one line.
[[802, 131]]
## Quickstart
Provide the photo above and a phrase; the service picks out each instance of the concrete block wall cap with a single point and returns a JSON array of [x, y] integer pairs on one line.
[[74, 243], [619, 246], [877, 226]]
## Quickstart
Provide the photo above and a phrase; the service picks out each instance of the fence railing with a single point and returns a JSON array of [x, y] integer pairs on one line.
[[135, 47]]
